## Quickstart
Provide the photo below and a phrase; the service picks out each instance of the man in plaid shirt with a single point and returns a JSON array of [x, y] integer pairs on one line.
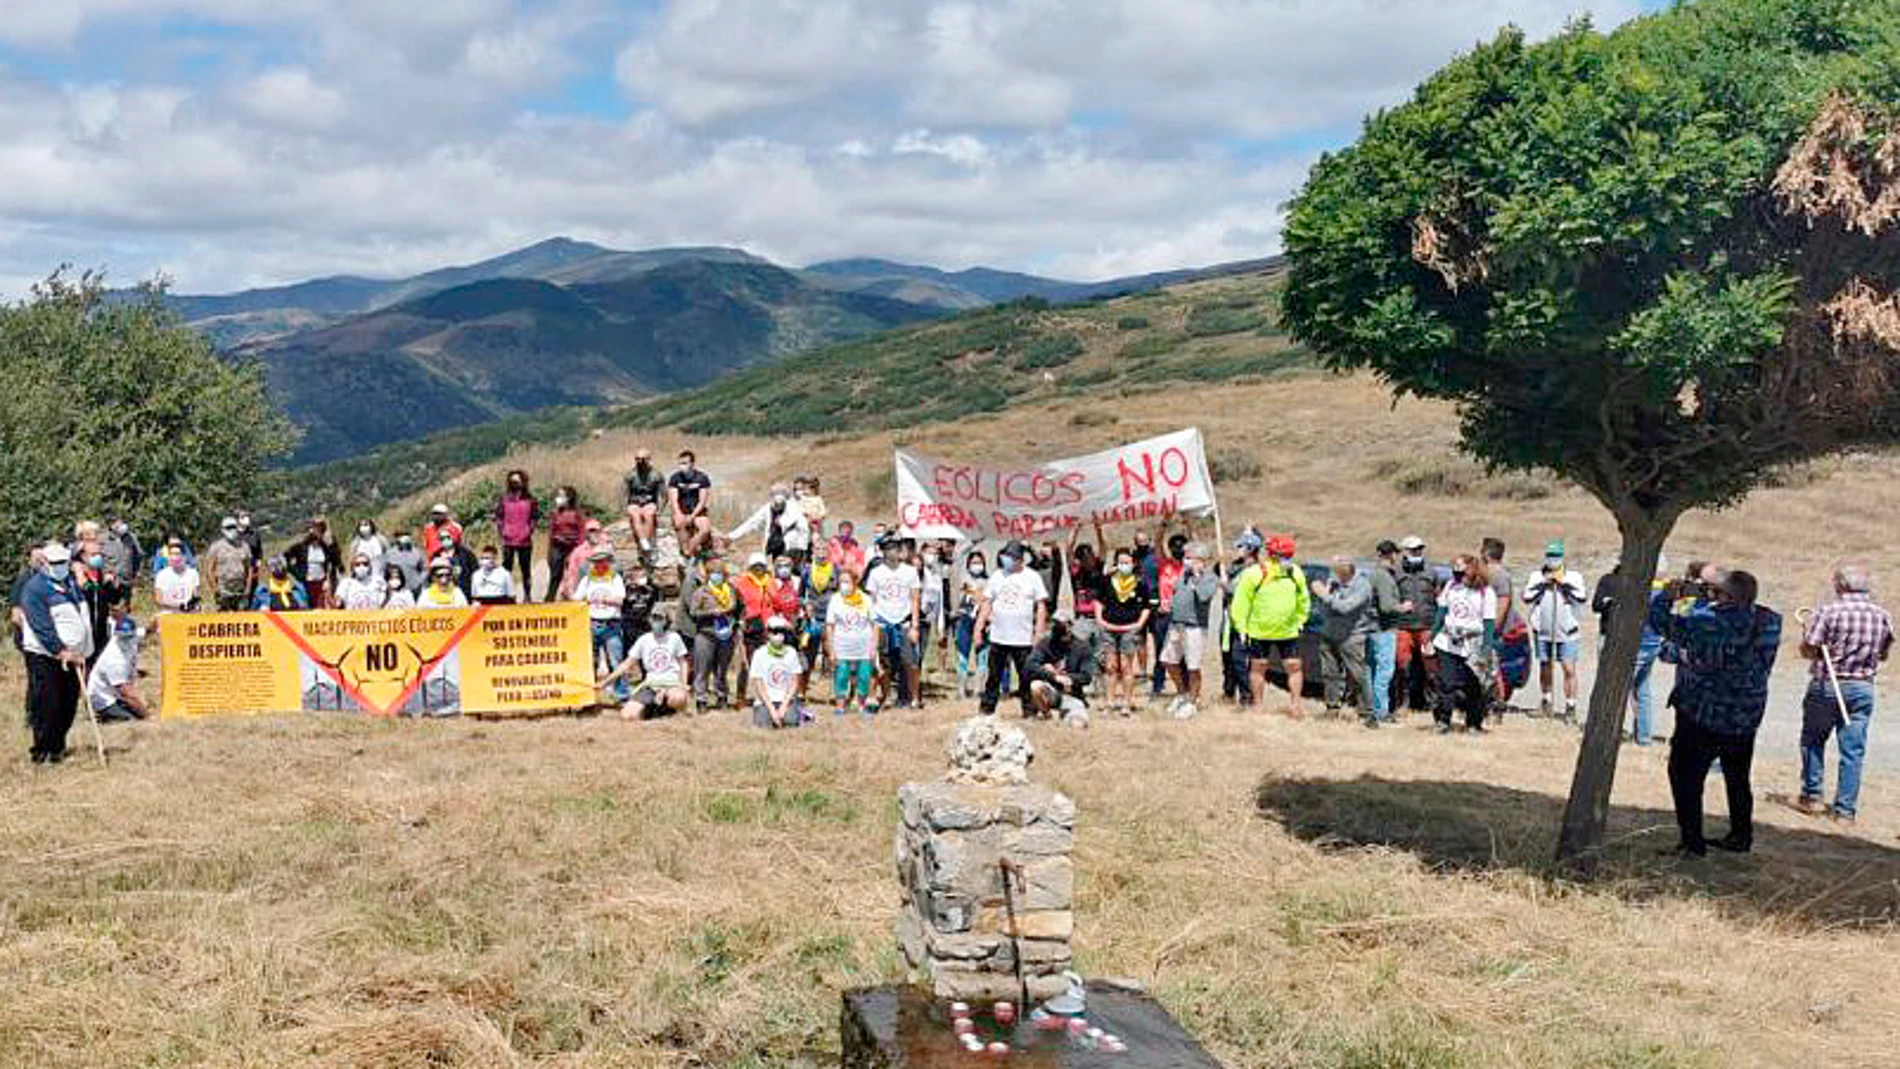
[[1858, 635]]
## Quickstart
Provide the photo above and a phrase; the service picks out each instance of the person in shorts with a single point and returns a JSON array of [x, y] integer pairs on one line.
[[665, 667], [1125, 603], [1191, 611]]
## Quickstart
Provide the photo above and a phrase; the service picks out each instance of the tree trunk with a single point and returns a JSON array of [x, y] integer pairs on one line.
[[1588, 810]]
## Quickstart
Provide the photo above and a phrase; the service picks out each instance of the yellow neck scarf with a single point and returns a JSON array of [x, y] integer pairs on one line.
[[723, 594], [279, 589], [1124, 586]]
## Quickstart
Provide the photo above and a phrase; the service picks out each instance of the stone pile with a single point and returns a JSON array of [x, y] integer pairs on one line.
[[957, 834]]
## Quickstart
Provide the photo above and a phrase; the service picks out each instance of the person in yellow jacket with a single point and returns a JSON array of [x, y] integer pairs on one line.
[[1271, 604]]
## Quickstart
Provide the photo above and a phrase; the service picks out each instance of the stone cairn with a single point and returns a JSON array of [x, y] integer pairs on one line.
[[961, 837]]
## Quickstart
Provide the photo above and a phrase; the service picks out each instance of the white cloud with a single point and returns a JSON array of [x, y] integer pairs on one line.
[[1087, 138]]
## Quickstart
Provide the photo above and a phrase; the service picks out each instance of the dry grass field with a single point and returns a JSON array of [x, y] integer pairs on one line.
[[584, 892]]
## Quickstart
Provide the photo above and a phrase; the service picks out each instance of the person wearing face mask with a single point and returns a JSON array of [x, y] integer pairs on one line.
[[396, 592], [1059, 672], [636, 612], [932, 616], [1382, 644], [567, 530], [1413, 657], [315, 562], [361, 589], [972, 647], [660, 654], [57, 642], [646, 488], [491, 583], [231, 571], [816, 587], [1347, 620], [714, 606], [124, 556], [851, 644], [846, 552], [1127, 602], [460, 561], [689, 499], [1236, 664], [369, 542], [774, 671], [1163, 572], [95, 582], [516, 517], [175, 586], [279, 591], [249, 534], [1271, 606], [111, 685], [1552, 599], [441, 524], [604, 592], [406, 557], [441, 592], [1190, 612], [1466, 638], [762, 596], [1013, 613], [896, 591], [593, 537], [783, 521]]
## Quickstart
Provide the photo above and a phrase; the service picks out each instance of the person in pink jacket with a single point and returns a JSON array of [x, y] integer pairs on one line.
[[517, 515]]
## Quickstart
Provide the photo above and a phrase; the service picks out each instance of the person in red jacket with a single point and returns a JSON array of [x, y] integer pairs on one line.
[[440, 524], [846, 552], [565, 528], [517, 514]]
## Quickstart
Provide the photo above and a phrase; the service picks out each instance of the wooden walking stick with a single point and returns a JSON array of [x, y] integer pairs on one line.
[[92, 715]]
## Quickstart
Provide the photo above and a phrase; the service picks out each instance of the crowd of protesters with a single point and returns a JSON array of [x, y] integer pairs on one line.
[[787, 610]]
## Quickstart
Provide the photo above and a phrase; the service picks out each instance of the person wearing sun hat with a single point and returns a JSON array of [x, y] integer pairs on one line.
[[1553, 598], [1271, 605]]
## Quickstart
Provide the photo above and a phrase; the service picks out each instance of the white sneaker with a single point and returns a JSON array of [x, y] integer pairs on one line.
[[1174, 706], [1186, 711]]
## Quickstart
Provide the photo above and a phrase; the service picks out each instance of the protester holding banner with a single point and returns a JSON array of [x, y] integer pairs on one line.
[[361, 589], [1013, 613], [279, 592]]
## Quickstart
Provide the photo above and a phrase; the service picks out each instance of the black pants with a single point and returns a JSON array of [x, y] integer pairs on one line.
[[52, 697], [523, 556], [1017, 657], [1235, 682], [1692, 750], [557, 565], [1460, 688]]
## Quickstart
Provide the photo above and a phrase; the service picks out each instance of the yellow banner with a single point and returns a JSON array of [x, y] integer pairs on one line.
[[421, 662]]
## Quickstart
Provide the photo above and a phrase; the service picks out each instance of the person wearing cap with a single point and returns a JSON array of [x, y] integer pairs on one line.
[[774, 670], [230, 572], [782, 520], [689, 499], [111, 685], [664, 665], [57, 642], [593, 537], [567, 529], [1553, 598], [603, 591], [1236, 685], [278, 590], [441, 591], [1060, 668], [440, 523], [818, 585], [362, 588], [896, 590], [1413, 658], [1382, 643], [1013, 613], [1271, 605]]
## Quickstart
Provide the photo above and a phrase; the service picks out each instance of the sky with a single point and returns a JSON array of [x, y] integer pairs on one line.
[[235, 143]]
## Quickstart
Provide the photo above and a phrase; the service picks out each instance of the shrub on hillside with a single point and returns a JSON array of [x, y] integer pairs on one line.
[[1212, 320], [1047, 352], [1233, 466], [1094, 417], [1150, 347], [1132, 323]]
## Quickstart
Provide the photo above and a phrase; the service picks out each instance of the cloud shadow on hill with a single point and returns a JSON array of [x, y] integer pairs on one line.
[[1810, 877]]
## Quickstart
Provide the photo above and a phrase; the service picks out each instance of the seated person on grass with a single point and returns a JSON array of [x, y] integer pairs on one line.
[[665, 666]]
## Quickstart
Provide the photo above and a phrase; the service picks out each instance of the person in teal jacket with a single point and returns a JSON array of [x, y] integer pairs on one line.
[[1271, 604]]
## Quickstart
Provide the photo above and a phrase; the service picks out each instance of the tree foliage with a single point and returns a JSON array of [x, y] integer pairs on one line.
[[111, 406], [1661, 261]]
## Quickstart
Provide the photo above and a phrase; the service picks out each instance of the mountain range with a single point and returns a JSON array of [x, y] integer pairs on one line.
[[361, 362]]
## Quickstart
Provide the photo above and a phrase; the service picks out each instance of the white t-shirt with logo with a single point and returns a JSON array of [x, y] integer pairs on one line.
[[853, 636], [777, 673], [662, 659], [1013, 599], [1467, 610], [891, 588], [496, 582], [175, 589], [115, 668], [603, 596]]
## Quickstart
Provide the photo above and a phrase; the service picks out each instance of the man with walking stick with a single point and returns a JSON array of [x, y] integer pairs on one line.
[[57, 641], [1847, 639]]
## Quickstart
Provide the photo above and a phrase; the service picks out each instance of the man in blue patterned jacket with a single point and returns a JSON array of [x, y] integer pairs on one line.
[[1725, 648]]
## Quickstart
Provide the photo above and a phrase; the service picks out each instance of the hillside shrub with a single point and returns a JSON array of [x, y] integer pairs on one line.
[[1094, 417], [1132, 323], [1048, 352], [1212, 320], [1233, 466], [1150, 347]]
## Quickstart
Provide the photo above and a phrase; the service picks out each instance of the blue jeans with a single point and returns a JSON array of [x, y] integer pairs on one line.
[[1646, 652], [608, 640], [1820, 717], [1382, 654], [898, 653]]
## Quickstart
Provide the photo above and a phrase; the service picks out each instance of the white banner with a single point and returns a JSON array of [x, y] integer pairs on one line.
[[1156, 479]]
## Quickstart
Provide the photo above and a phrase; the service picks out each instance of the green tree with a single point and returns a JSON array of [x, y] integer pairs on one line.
[[1659, 261], [111, 405]]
